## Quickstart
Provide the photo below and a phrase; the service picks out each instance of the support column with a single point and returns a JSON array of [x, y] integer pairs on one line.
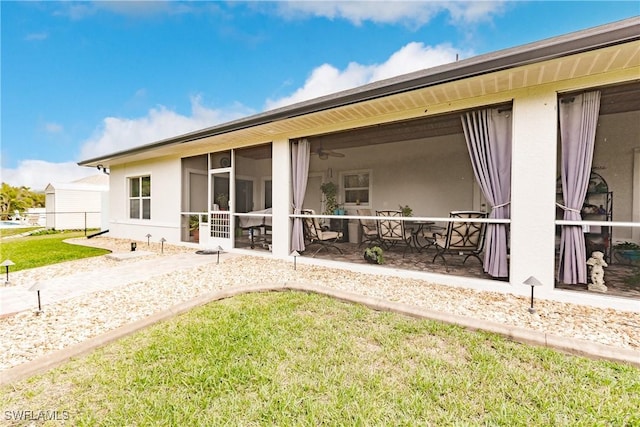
[[533, 190], [281, 198]]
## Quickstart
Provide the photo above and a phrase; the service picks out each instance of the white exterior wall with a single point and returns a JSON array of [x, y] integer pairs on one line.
[[165, 201], [49, 203], [73, 209]]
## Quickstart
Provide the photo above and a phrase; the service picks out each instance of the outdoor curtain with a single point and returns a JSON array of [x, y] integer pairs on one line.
[[488, 136], [578, 121], [300, 154]]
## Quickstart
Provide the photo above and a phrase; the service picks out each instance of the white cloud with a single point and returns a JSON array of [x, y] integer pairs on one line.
[[410, 13], [53, 127], [117, 134], [327, 79], [36, 174]]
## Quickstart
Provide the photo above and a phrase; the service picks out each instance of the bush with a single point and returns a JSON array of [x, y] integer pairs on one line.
[[373, 255]]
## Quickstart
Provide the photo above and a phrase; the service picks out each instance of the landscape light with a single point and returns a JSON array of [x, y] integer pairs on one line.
[[37, 287], [533, 282], [294, 254], [6, 263]]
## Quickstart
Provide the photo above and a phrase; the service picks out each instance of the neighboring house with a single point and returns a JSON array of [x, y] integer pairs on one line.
[[502, 132], [79, 204]]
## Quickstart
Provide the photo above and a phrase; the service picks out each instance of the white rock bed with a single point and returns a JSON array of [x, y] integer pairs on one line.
[[26, 336]]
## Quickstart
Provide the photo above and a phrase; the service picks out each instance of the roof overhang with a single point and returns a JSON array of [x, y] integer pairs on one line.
[[604, 49]]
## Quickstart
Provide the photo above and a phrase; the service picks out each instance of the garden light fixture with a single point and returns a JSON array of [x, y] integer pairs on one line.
[[6, 263], [533, 282], [37, 287], [294, 254]]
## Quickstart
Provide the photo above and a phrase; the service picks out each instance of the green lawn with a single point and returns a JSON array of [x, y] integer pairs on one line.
[[5, 232], [45, 249], [303, 359]]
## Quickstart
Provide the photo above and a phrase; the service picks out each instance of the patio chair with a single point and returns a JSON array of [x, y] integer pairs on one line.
[[368, 227], [461, 238], [392, 231], [315, 234]]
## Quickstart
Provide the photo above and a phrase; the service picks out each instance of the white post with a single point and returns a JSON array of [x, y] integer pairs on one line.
[[281, 198], [533, 190]]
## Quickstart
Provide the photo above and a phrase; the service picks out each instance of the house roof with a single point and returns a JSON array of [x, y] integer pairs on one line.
[[98, 182], [97, 179], [600, 49]]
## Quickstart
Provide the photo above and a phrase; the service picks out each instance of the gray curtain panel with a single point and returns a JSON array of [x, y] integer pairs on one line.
[[488, 136], [300, 154], [578, 122]]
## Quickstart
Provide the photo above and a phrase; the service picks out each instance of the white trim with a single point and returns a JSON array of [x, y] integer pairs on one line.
[[127, 181], [341, 189]]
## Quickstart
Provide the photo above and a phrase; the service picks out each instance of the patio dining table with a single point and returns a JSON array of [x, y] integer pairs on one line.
[[419, 230]]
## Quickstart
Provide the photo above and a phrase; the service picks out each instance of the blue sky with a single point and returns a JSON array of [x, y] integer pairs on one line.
[[81, 79]]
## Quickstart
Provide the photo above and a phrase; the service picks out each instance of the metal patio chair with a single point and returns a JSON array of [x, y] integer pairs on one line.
[[461, 238], [316, 235], [392, 231], [368, 227]]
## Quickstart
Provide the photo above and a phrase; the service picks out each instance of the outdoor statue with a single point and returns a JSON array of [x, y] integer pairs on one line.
[[597, 264]]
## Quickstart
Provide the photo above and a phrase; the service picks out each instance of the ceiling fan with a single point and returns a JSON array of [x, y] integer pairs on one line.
[[324, 154]]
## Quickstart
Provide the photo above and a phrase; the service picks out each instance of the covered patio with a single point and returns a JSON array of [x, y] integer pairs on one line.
[[425, 165]]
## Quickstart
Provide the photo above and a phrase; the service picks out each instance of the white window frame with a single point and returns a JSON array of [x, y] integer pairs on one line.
[[343, 190], [140, 198]]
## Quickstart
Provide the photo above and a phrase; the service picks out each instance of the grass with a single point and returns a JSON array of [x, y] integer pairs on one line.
[[6, 232], [303, 359], [40, 250]]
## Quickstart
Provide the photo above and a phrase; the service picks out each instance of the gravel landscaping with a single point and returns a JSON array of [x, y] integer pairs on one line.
[[27, 336]]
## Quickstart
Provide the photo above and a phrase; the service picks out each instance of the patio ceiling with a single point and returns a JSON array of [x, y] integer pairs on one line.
[[399, 108], [614, 99]]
